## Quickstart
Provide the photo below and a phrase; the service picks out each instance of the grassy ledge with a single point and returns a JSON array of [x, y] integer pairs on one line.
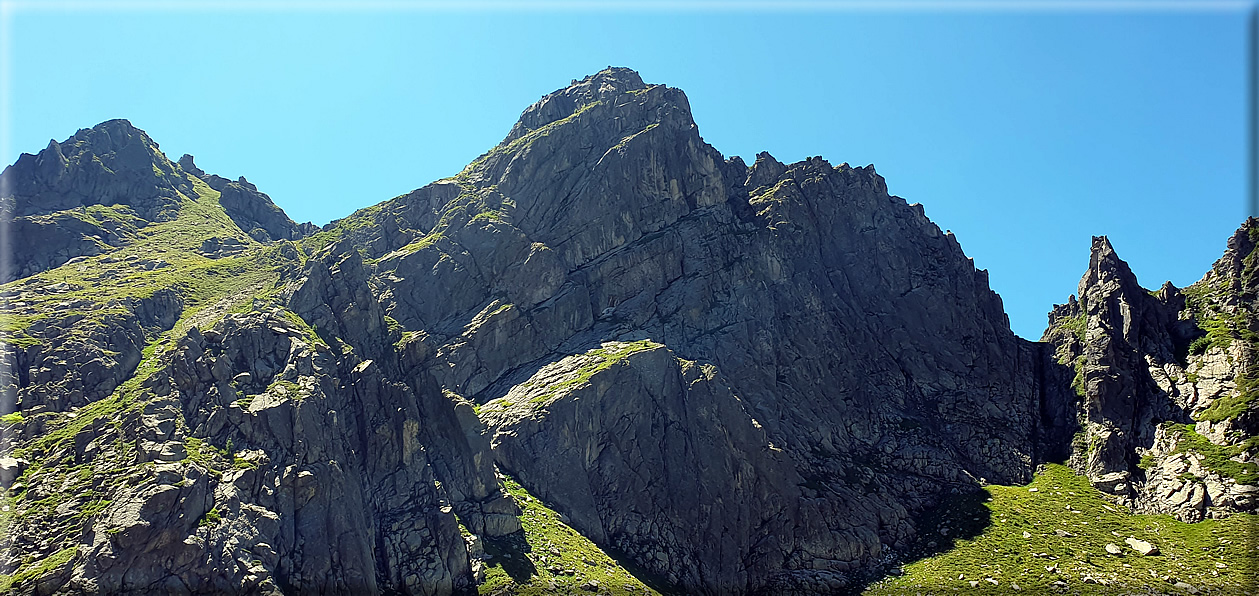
[[527, 139], [162, 255], [1219, 458], [596, 360]]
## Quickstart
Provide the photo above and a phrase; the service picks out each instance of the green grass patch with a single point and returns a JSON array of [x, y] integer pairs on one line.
[[528, 562], [1068, 524], [61, 432], [1229, 406], [346, 227], [210, 519], [95, 507], [161, 256], [393, 325], [421, 244], [625, 140], [1077, 382], [1217, 458], [311, 336], [1207, 303], [1077, 326], [215, 459], [491, 215], [501, 309], [286, 389], [406, 338], [37, 569], [466, 209], [13, 328], [596, 360]]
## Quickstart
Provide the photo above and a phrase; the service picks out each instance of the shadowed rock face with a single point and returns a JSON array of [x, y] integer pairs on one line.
[[742, 379], [114, 165], [846, 330]]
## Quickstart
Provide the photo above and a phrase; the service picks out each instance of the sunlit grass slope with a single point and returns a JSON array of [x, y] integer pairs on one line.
[[1051, 536], [551, 558]]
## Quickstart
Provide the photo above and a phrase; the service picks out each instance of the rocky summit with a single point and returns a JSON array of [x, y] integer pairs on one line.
[[603, 358]]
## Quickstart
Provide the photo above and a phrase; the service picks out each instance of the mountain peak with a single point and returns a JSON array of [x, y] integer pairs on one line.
[[618, 78], [605, 86], [744, 379], [118, 137], [1105, 266], [111, 163]]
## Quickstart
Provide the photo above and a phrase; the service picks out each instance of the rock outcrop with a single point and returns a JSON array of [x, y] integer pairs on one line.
[[741, 379], [1163, 379], [94, 191], [857, 337], [85, 195], [113, 163]]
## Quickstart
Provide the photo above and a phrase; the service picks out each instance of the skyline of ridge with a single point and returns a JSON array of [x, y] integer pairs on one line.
[[1008, 128]]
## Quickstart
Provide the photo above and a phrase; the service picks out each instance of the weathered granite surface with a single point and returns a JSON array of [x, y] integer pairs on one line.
[[745, 379]]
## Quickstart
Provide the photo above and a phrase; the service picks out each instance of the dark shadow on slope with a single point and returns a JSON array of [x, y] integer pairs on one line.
[[955, 517], [509, 552], [550, 526], [641, 573]]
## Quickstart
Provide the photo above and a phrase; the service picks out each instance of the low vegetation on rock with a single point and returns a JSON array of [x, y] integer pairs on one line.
[[550, 557], [1052, 536], [717, 377]]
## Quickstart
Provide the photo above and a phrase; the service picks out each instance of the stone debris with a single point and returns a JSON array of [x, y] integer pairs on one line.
[[1141, 546]]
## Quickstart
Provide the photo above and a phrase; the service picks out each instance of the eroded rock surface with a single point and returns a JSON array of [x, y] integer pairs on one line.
[[1165, 401], [252, 210], [860, 338], [744, 379]]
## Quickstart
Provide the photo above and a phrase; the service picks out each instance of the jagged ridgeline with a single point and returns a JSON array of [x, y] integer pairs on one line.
[[601, 358]]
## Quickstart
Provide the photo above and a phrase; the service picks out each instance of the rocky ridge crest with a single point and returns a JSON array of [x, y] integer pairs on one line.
[[743, 379]]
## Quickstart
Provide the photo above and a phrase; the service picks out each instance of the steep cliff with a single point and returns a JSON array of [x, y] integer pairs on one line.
[[737, 379], [864, 365], [173, 428], [1165, 383]]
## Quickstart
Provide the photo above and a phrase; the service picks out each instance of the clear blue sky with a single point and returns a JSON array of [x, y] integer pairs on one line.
[[1024, 132]]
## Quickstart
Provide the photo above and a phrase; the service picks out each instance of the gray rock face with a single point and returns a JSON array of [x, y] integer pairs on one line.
[[75, 365], [1159, 396], [745, 379], [97, 189], [857, 334], [299, 477], [655, 456], [113, 163], [55, 198], [49, 241]]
